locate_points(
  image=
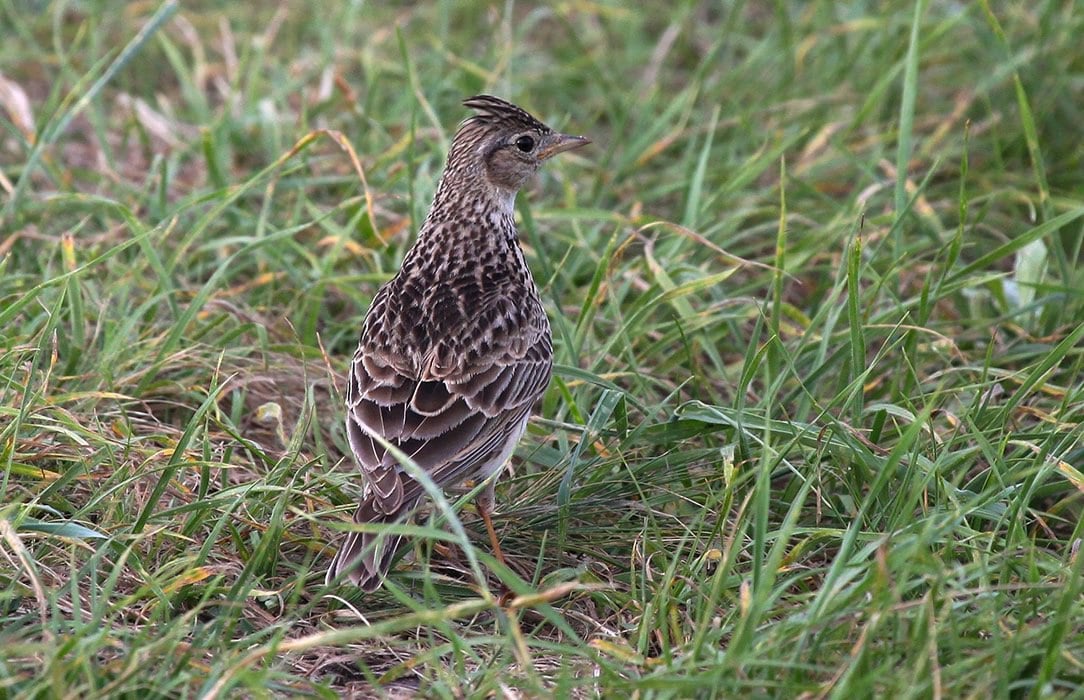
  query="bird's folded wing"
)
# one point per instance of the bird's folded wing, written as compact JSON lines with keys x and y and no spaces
{"x":449,"y":425}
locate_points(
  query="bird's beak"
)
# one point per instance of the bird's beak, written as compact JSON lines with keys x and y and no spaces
{"x":559,"y":143}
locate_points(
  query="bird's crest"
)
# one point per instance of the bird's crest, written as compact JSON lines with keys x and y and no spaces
{"x":493,"y":110}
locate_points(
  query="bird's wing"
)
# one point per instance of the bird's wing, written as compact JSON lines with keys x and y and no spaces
{"x":453,"y":409}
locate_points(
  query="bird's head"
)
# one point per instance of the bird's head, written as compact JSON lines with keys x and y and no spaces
{"x":504,"y":144}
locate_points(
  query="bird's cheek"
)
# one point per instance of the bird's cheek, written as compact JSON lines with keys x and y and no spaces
{"x":507,"y":173}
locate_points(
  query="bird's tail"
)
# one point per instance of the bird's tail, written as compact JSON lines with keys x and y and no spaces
{"x":366,"y":556}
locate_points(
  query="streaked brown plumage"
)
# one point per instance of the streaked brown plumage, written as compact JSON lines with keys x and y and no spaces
{"x":456,"y":348}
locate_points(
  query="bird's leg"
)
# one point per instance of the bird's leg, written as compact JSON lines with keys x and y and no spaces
{"x":485,"y":507}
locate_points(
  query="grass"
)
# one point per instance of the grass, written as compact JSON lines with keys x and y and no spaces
{"x":816,"y":291}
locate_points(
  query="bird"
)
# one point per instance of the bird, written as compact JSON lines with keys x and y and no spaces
{"x":456,"y":348}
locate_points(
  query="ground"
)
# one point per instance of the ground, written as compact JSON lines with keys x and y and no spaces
{"x":816,"y":290}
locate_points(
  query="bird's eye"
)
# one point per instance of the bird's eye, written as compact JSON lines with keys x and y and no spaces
{"x":525,"y":144}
